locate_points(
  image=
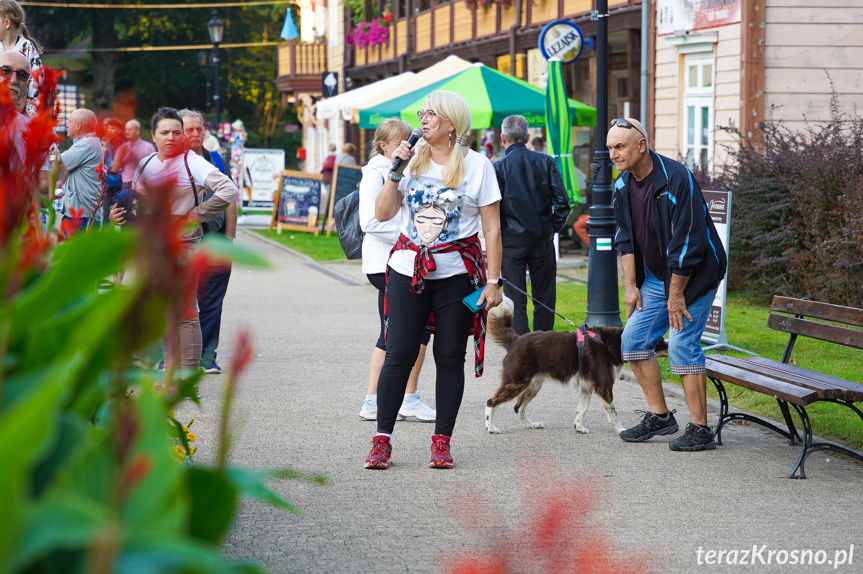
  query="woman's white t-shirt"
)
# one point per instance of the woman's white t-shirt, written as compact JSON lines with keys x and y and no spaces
{"x":432,"y":214}
{"x":173,"y":170}
{"x":380,"y":236}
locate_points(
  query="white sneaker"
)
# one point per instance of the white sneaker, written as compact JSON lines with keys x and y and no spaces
{"x":369,"y":411}
{"x":417,"y":409}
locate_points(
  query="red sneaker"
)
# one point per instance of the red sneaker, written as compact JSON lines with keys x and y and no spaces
{"x":381,"y":453}
{"x":440,"y":457}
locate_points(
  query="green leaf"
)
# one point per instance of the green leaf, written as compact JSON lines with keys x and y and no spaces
{"x":291,"y":474}
{"x":159,"y":504}
{"x":214,"y":502}
{"x":252,"y":483}
{"x":167,"y":556}
{"x":222,"y":247}
{"x":65,"y":523}
{"x":27,"y":428}
{"x":79,"y":265}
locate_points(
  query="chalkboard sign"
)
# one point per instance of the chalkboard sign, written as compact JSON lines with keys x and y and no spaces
{"x":346,"y":178}
{"x":298,"y":202}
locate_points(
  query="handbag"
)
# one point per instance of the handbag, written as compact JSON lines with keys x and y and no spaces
{"x":347,"y":215}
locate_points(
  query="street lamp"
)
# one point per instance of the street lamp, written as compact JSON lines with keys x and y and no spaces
{"x":216,"y":29}
{"x":202,"y":62}
{"x":603,"y":304}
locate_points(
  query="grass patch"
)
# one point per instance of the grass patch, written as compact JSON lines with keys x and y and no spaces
{"x":746,"y":327}
{"x":320,"y":248}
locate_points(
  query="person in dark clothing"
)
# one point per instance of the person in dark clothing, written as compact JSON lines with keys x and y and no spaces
{"x":672,"y":261}
{"x":534,"y":207}
{"x":211,"y":293}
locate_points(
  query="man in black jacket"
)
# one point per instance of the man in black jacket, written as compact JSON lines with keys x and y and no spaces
{"x":533,"y":208}
{"x":672,"y":261}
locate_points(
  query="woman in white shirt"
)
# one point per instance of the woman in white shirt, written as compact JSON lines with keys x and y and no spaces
{"x":380,"y":236}
{"x":441,"y":202}
{"x":188,"y":175}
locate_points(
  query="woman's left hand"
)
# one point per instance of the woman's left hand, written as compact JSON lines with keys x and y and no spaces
{"x":491,"y":295}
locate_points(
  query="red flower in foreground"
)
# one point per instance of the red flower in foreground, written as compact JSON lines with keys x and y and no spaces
{"x":243,"y":353}
{"x":558,"y":533}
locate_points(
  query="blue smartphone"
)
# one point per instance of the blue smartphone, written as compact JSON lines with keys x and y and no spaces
{"x":472,"y":299}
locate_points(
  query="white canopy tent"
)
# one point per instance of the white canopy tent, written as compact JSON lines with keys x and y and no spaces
{"x":341,"y":106}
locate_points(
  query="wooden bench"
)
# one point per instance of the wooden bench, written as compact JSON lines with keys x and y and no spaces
{"x":789,"y":384}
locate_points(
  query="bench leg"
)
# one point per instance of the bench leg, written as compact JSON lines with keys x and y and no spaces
{"x":723,"y":409}
{"x":786,"y":413}
{"x":807,"y":443}
{"x":724,"y":417}
{"x":810,"y":446}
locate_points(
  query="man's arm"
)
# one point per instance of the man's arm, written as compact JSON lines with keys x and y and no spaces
{"x":631,"y":293}
{"x":117,"y":164}
{"x":559,"y":198}
{"x":62,"y":172}
{"x":231,"y":221}
{"x":677,"y":302}
{"x":76,"y":155}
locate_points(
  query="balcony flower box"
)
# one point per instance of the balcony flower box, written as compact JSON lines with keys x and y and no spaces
{"x":374,"y":33}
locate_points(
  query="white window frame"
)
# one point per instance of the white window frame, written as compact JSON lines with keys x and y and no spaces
{"x":698,"y":99}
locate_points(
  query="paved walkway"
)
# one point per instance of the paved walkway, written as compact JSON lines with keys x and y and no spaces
{"x":313,"y":329}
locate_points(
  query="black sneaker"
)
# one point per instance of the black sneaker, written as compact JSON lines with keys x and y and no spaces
{"x":650,"y":426}
{"x":695,"y":437}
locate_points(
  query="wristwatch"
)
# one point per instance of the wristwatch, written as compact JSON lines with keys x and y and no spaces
{"x":498,"y":281}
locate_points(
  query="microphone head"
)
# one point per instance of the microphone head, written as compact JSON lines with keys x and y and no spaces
{"x":418,"y":133}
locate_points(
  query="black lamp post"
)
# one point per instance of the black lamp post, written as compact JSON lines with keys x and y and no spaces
{"x":216,"y":29}
{"x":603,"y":305}
{"x":204,"y":64}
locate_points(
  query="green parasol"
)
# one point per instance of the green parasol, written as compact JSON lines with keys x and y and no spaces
{"x":490,"y":95}
{"x":559,"y":129}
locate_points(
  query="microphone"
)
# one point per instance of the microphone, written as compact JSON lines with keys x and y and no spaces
{"x":412,"y":141}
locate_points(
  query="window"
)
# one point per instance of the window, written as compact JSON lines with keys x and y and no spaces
{"x":698,"y":111}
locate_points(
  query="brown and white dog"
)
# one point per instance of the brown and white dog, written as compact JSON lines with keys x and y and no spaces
{"x":534,"y":358}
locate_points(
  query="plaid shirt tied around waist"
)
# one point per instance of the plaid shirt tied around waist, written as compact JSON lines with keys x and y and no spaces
{"x":471,"y":254}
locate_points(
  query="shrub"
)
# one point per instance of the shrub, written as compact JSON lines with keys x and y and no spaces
{"x":797,"y":213}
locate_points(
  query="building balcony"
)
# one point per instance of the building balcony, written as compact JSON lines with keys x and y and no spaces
{"x":301,"y":67}
{"x":482,"y":33}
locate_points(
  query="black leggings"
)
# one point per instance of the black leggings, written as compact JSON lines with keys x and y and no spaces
{"x":379,"y":280}
{"x":408,"y":313}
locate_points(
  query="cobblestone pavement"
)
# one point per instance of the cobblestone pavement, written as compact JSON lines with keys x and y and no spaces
{"x":313,"y":329}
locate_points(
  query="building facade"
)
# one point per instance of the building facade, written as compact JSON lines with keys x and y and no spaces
{"x":423,"y":32}
{"x":720,"y":63}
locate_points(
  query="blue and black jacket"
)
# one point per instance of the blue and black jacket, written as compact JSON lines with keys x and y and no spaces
{"x":688,"y":241}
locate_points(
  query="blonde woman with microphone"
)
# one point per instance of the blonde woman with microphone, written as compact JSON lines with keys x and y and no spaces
{"x":441,"y":199}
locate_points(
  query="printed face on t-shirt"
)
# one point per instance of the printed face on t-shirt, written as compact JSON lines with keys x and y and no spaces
{"x":435,"y":212}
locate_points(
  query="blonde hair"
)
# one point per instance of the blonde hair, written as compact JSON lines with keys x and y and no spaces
{"x":452,"y":107}
{"x":12,"y":10}
{"x":389,"y":130}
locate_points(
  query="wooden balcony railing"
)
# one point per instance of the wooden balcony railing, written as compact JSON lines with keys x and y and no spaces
{"x":453,"y":23}
{"x":302,"y":59}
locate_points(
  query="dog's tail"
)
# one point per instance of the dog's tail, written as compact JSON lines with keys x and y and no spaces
{"x":500,"y":324}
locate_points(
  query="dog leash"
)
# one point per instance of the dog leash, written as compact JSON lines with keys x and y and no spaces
{"x":540,"y":303}
{"x":581,"y":332}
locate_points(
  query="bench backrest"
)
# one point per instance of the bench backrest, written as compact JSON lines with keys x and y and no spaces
{"x":801,"y":322}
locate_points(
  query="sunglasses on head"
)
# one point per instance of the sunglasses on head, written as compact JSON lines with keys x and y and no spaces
{"x":6,"y":71}
{"x":625,"y":123}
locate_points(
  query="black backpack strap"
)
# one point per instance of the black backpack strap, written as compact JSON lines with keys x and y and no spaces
{"x":191,"y":179}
